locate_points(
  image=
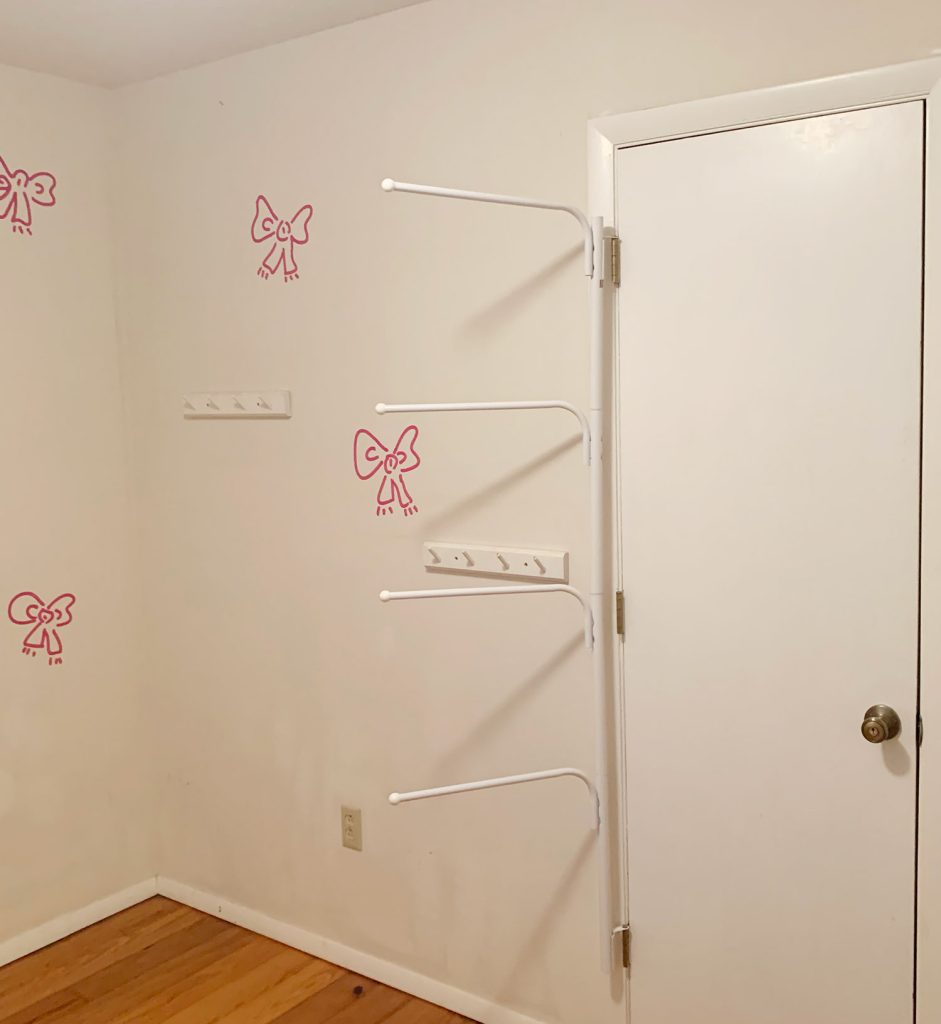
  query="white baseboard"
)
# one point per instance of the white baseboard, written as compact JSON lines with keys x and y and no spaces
{"x":74,"y":921}
{"x":414,"y":984}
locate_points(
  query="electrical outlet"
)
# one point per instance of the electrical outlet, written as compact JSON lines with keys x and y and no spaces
{"x":351,"y":823}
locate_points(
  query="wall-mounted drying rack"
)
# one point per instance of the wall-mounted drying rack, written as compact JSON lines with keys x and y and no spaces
{"x":506,"y":780}
{"x":523,"y":588}
{"x":588,"y":231}
{"x":596,"y":627}
{"x":548,"y":403}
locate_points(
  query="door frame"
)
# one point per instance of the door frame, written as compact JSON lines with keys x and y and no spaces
{"x":918,"y":80}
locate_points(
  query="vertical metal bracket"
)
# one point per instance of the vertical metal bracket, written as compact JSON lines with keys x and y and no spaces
{"x":619,"y":611}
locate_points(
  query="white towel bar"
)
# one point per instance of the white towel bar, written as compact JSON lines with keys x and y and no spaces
{"x":533,"y":588}
{"x":389,"y":185}
{"x":550,"y":403}
{"x":505,"y":780}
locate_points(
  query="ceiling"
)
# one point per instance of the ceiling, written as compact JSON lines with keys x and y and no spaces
{"x":114,"y":42}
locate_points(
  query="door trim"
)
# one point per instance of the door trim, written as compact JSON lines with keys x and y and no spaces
{"x":919,"y":80}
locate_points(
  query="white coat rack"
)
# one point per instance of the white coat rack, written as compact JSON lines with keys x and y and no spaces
{"x":592,"y":426}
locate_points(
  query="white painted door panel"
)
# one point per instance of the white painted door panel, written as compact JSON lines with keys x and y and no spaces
{"x":770,"y":334}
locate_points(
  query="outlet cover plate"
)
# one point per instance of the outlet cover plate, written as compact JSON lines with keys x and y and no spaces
{"x":516,"y":563}
{"x":351,"y":826}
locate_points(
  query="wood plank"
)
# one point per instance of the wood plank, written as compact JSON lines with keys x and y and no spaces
{"x":178,"y":996}
{"x":115,"y":992}
{"x":417,"y":1011}
{"x":118,"y":993}
{"x":160,"y":963}
{"x":271,"y":1003}
{"x":326,"y":1004}
{"x":374,"y":1007}
{"x":56,"y":967}
{"x":234,"y":1000}
{"x":132,"y":971}
{"x":54,"y":1009}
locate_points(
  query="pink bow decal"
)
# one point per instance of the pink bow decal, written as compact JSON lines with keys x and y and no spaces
{"x":18,"y":191}
{"x":28,"y":609}
{"x":286,"y":234}
{"x":370,"y":456}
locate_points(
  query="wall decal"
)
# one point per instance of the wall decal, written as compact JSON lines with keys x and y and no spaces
{"x":19,"y":191}
{"x":28,"y":609}
{"x":283,"y":234}
{"x":370,"y":456}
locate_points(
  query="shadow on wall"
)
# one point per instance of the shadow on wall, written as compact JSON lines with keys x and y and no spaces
{"x":511,"y":706}
{"x":485,"y":324}
{"x":533,"y":952}
{"x":533,"y":957}
{"x":487,"y":494}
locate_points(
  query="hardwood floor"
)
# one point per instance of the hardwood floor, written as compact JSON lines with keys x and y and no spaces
{"x":163,"y":963}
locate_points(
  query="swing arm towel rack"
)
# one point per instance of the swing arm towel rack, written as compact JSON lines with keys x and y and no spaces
{"x":550,"y":403}
{"x":593,"y":237}
{"x":505,"y":780}
{"x":524,"y":588}
{"x":389,"y":185}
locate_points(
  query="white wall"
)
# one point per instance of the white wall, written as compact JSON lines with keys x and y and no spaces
{"x":284,"y":687}
{"x":278,"y":686}
{"x":73,"y":822}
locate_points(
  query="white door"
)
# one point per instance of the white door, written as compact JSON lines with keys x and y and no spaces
{"x":770,"y":365}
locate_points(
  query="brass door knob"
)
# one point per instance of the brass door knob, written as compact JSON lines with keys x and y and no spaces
{"x":881,"y":723}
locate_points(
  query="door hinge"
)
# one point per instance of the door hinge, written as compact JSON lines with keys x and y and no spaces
{"x":619,"y":611}
{"x":624,"y":935}
{"x":614,"y":260}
